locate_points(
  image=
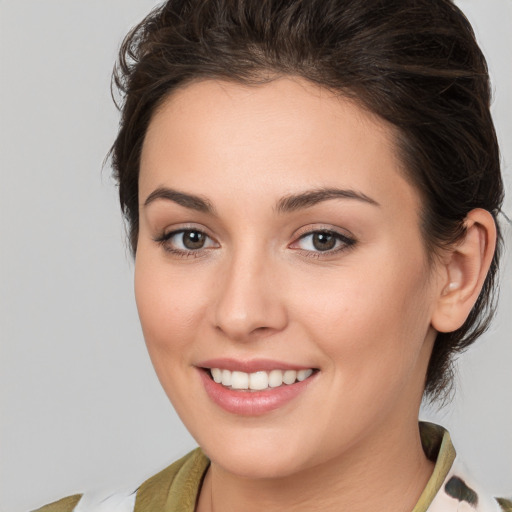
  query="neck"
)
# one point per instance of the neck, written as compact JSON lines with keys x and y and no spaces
{"x":386,"y":472}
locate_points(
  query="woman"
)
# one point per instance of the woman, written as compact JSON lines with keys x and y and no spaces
{"x":311,"y":190}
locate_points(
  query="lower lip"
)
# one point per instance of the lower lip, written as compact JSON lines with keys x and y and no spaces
{"x":252,"y":403}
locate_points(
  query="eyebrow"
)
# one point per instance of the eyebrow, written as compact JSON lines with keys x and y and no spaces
{"x":310,"y":198}
{"x":190,"y":201}
{"x":287,"y":204}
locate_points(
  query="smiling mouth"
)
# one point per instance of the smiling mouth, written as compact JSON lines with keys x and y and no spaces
{"x":258,"y":381}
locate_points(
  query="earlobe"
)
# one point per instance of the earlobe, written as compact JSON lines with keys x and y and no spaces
{"x":464,"y":271}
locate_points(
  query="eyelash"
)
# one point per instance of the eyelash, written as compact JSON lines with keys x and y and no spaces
{"x":165,"y":238}
{"x":343,"y":243}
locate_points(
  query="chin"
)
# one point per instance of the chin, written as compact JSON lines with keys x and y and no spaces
{"x":257,"y":458}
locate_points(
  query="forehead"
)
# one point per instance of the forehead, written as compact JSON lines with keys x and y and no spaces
{"x":282,"y":136}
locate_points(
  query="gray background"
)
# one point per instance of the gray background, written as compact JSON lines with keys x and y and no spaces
{"x":80,"y":406}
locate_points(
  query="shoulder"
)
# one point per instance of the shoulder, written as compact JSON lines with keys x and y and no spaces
{"x":152,"y":495}
{"x":451,"y":487}
{"x":64,"y":505}
{"x":506,"y":505}
{"x":178,"y":484}
{"x":90,"y":502}
{"x":461,"y":493}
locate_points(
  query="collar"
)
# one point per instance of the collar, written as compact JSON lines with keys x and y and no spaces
{"x":449,"y":488}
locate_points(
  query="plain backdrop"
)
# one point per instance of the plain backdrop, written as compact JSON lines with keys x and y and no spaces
{"x":80,"y":406}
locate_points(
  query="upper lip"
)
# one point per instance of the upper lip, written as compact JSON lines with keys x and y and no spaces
{"x":250,"y":366}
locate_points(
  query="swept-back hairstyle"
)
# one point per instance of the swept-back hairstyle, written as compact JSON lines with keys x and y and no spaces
{"x":414,"y":63}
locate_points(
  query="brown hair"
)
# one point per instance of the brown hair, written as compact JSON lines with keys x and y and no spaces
{"x":414,"y":63}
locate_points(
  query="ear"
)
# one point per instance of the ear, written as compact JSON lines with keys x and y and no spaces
{"x":463,"y":271}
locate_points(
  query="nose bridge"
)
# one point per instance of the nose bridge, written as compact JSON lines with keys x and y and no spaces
{"x":248,"y":298}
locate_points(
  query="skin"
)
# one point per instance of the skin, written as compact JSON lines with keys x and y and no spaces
{"x":363,"y":315}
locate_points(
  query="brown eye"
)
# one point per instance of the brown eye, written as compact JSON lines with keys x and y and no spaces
{"x":186,"y":241}
{"x":193,"y":240}
{"x":323,"y":241}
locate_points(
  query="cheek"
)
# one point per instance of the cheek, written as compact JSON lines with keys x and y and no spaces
{"x":371,"y":323}
{"x":169,"y":307}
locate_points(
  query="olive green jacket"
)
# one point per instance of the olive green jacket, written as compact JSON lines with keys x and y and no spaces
{"x":176,"y":488}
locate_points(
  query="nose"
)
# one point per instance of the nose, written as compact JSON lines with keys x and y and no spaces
{"x":249,"y":299}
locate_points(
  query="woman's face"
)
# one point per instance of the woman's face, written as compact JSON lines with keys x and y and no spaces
{"x":278,"y":234}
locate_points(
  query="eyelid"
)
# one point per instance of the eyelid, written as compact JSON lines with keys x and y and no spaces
{"x":326,"y":228}
{"x":169,"y":230}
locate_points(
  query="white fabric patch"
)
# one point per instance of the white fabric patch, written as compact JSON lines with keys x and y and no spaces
{"x":445,"y":503}
{"x":119,"y":502}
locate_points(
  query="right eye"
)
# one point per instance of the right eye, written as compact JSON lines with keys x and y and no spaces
{"x":186,"y":241}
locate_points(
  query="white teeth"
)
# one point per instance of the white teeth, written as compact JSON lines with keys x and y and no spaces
{"x":275,"y":378}
{"x":239,"y":380}
{"x":226,"y":378}
{"x":304,"y":374}
{"x":260,"y":380}
{"x":217,"y":375}
{"x":289,"y":376}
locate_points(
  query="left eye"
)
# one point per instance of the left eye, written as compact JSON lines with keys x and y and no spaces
{"x":323,"y":241}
